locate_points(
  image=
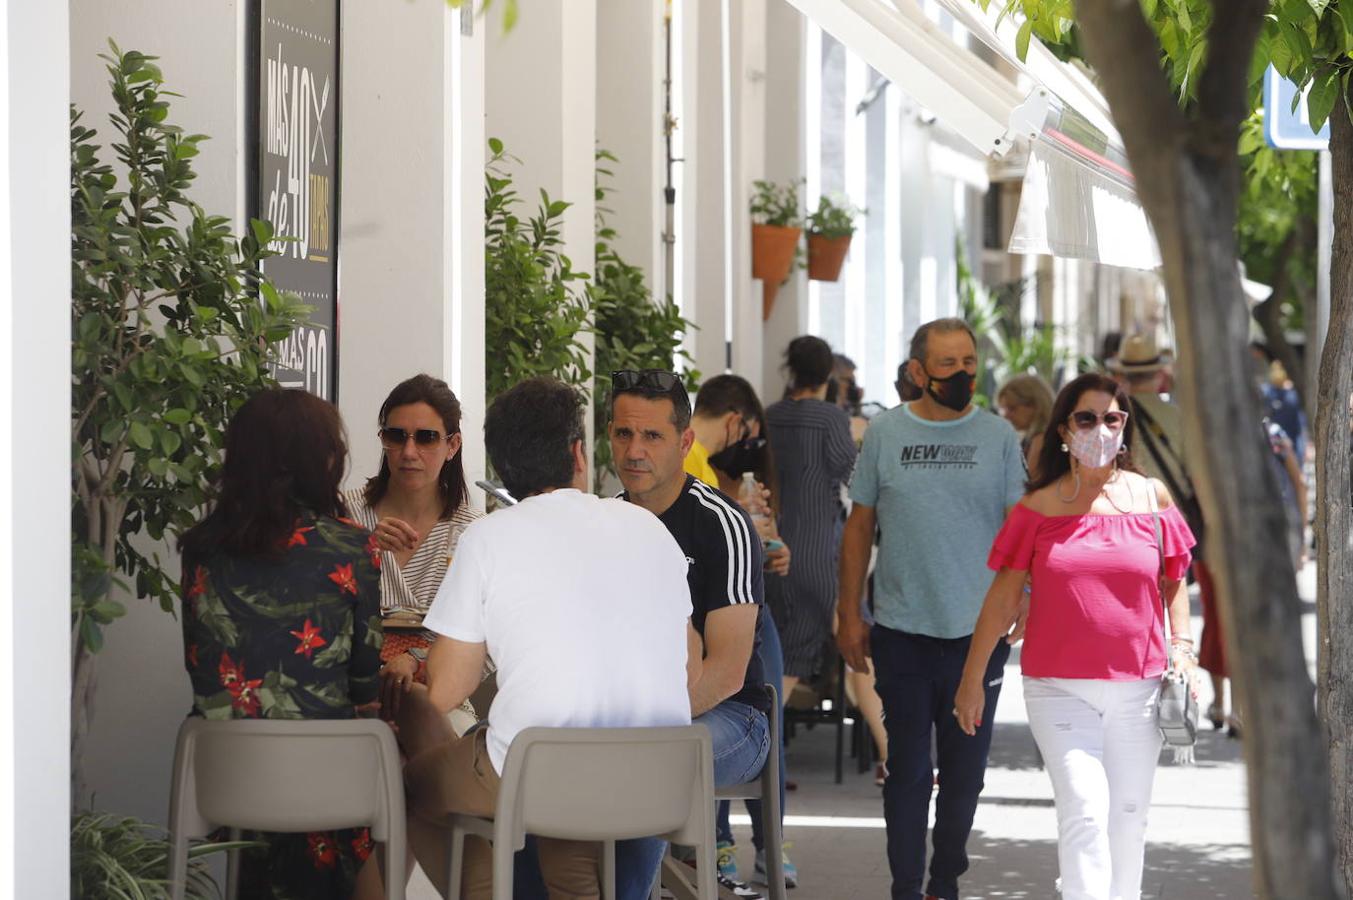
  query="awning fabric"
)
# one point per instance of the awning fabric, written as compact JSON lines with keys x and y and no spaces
{"x":1067,"y":209}
{"x":972,"y":98}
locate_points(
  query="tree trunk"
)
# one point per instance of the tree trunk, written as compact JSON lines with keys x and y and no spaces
{"x":81,"y":716}
{"x":1334,"y":519}
{"x":1188,"y":179}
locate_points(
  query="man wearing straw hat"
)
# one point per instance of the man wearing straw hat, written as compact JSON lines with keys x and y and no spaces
{"x":1142,"y":368}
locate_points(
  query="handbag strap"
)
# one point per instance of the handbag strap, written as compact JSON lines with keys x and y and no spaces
{"x":1160,"y":571}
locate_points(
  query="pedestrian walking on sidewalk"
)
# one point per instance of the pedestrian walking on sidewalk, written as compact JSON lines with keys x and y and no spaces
{"x":936,"y":476}
{"x":1094,"y":643}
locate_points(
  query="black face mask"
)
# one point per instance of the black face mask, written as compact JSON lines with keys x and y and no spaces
{"x":954,"y":392}
{"x":743,"y":456}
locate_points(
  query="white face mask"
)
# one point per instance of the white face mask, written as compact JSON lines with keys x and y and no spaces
{"x":1096,"y":447}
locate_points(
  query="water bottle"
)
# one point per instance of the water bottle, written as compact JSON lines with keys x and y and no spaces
{"x":750,"y":497}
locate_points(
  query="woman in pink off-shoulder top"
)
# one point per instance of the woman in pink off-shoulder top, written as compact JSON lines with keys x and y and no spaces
{"x":1094,"y":645}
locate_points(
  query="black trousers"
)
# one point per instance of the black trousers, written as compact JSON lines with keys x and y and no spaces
{"x":917,"y":677}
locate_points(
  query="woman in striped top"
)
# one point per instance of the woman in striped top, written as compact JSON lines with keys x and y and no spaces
{"x":417,"y":505}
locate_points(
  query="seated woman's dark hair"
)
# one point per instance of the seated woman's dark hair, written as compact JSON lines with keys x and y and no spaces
{"x":438,"y":395}
{"x":1053,"y":461}
{"x":285,"y":453}
{"x":529,"y":432}
{"x":809,"y":361}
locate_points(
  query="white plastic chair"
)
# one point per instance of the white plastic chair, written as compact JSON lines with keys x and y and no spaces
{"x":287,"y":776}
{"x":598,"y":784}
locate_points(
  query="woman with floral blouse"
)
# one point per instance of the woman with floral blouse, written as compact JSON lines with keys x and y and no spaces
{"x":281,"y":613}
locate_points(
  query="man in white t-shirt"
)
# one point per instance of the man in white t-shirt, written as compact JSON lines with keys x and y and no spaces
{"x":565,"y":591}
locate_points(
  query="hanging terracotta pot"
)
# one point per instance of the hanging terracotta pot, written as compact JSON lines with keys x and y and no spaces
{"x":826,"y":255}
{"x":773,"y":251}
{"x":772,"y":256}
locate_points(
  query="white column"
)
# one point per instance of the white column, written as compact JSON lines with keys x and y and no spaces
{"x":749,"y":55}
{"x":785,"y":161}
{"x":707,"y":180}
{"x":541,"y":101}
{"x":34,"y":480}
{"x":463,"y":252}
{"x":630,"y":71}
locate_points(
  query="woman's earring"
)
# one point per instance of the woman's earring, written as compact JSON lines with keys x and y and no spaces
{"x":1064,"y":448}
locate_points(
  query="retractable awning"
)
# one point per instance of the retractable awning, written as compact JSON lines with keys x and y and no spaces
{"x":1079,"y":198}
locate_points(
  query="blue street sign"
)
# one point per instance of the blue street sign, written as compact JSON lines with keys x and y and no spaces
{"x":1285,"y":129}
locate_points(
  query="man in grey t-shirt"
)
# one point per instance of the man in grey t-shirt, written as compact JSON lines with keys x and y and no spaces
{"x":936,"y":476}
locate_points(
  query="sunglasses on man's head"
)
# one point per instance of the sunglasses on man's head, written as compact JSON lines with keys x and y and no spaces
{"x":658,"y":381}
{"x":1084,"y":419}
{"x":396,"y":438}
{"x":645,"y":379}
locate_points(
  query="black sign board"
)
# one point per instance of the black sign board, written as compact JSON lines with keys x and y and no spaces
{"x":297,"y":130}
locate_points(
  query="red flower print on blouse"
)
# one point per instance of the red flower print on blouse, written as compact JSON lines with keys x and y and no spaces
{"x":362,"y":845}
{"x":374,"y":550}
{"x":243,"y":691}
{"x":298,"y":536}
{"x":309,"y":638}
{"x":343,"y":577}
{"x":244,"y":697}
{"x":191,"y":655}
{"x":199,"y":585}
{"x":322,"y":851}
{"x":231,"y":672}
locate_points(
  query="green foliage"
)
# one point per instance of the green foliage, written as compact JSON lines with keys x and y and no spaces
{"x":777,"y":204}
{"x":124,"y":859}
{"x":834,"y":217}
{"x":171,"y":327}
{"x":632,"y":331}
{"x":534,"y":307}
{"x":1308,"y":41}
{"x":1005,"y":349}
{"x":1276,"y":224}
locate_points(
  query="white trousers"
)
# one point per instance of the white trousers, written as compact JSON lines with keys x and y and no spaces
{"x":1100,"y":743}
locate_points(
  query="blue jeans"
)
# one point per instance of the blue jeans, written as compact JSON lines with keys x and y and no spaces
{"x":773,"y":664}
{"x":741,"y":740}
{"x":916,"y":678}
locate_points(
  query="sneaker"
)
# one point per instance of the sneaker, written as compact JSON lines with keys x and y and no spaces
{"x":739,"y":888}
{"x":791,"y":871}
{"x":726,"y":855}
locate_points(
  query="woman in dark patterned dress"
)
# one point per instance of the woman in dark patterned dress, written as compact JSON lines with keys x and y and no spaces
{"x":814,"y":455}
{"x":281,"y":613}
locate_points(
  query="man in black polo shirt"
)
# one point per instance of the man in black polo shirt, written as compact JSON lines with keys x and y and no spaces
{"x":650,"y":435}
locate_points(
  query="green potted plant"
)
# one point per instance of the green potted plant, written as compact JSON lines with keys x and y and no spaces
{"x":114,"y":858}
{"x":535,"y":306}
{"x":777,"y":225}
{"x":830,"y":228}
{"x":172,"y":328}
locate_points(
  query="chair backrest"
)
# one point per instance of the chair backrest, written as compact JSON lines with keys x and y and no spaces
{"x":304,"y":775}
{"x":609,"y":783}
